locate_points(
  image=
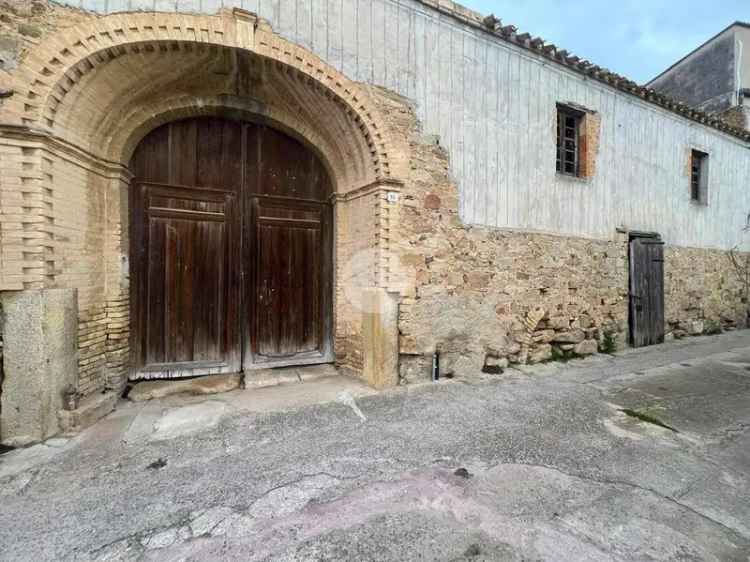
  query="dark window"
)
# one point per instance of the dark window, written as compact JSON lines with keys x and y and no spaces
{"x":568,"y":144}
{"x":699,"y":177}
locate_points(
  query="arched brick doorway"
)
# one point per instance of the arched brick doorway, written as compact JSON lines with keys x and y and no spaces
{"x":231,"y":250}
{"x":107,"y":82}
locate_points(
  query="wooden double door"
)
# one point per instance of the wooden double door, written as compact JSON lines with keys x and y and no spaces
{"x":231,"y":250}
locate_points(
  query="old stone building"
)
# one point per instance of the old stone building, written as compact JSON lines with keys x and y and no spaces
{"x":714,"y":77}
{"x":190,"y":188}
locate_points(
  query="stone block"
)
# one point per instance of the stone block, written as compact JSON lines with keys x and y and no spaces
{"x":380,"y":337}
{"x":211,"y":384}
{"x":573,"y":336}
{"x":586,"y":347}
{"x":261,"y":378}
{"x":544,"y":336}
{"x":540,"y":354}
{"x":559,"y":323}
{"x":496,"y":361}
{"x":461,"y":364}
{"x":90,"y":410}
{"x":40,"y":340}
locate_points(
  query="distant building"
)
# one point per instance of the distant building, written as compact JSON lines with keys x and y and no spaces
{"x":715,"y":77}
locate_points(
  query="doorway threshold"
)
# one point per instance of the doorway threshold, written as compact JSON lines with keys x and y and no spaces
{"x":288,"y":375}
{"x":142,"y":391}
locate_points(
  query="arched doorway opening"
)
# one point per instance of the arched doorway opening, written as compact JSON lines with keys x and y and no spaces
{"x":107,"y":83}
{"x":230,"y":250}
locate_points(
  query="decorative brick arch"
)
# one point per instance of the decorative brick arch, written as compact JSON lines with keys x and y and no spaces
{"x":53,"y":71}
{"x":177,"y":107}
{"x":85,"y":97}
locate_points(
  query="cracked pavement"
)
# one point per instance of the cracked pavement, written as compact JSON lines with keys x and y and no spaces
{"x":554,"y":469}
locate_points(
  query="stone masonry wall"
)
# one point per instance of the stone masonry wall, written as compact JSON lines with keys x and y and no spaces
{"x":487,"y":298}
{"x":23,"y":23}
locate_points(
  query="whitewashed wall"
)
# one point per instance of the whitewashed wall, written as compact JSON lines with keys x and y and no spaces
{"x":493,"y":106}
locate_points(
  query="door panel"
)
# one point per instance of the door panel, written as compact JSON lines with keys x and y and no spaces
{"x":289,"y":297}
{"x":646,"y":291}
{"x":190,"y":294}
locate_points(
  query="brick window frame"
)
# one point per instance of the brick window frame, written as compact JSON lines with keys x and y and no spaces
{"x":580,"y":126}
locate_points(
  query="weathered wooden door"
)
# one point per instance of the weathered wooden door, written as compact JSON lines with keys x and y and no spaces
{"x":230,"y":250}
{"x":646,"y":290}
{"x":287,"y":317}
{"x":189,"y":283}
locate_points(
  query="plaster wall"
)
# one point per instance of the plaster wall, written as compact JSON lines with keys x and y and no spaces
{"x":492,"y":105}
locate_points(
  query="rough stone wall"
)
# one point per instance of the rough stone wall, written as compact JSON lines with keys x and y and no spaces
{"x":24,"y":23}
{"x":487,"y":298}
{"x":703,"y":292}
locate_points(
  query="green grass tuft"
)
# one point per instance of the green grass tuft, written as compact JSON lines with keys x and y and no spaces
{"x":608,"y":344}
{"x":647,"y":418}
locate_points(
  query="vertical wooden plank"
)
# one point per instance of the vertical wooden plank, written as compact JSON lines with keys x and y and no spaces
{"x":657,"y":264}
{"x":288,"y":19}
{"x":335,"y":35}
{"x":364,"y":40}
{"x":349,"y":43}
{"x":185,"y":296}
{"x":378,"y":25}
{"x":183,"y":164}
{"x":420,"y":76}
{"x":505,"y":152}
{"x":319,"y":15}
{"x":304,"y":23}
{"x":155,"y":272}
{"x":202,"y":277}
{"x":209,"y":166}
{"x":392,"y":29}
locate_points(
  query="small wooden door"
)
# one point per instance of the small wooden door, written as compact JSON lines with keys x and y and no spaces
{"x":189,"y":286}
{"x":646,"y":290}
{"x":288,"y":292}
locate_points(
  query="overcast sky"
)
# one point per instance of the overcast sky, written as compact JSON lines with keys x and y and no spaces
{"x":635,"y":38}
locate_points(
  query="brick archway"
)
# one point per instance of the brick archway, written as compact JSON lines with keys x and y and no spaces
{"x":89,"y":93}
{"x":48,"y":84}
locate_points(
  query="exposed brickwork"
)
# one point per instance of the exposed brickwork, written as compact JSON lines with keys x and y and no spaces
{"x":59,"y":60}
{"x":591,"y":127}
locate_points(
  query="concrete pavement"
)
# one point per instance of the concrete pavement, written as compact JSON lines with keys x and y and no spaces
{"x":560,"y":462}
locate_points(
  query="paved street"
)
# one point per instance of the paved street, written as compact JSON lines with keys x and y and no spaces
{"x":563,"y":462}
